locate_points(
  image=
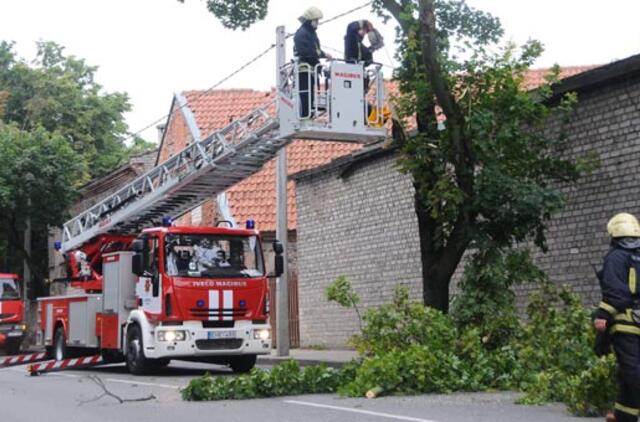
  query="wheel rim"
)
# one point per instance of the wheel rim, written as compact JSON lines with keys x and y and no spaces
{"x":134,"y":350}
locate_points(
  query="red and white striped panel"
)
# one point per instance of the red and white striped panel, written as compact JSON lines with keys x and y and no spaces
{"x":22,"y":359}
{"x":60,"y":365}
{"x":219,"y":300}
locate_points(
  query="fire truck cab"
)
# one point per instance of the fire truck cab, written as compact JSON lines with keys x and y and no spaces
{"x":192,"y":293}
{"x":12,"y":327}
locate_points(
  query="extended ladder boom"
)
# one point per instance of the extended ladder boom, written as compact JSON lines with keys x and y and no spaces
{"x":342,"y":111}
{"x":185,"y":180}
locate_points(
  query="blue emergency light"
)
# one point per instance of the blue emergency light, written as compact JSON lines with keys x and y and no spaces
{"x":57,"y":245}
{"x":242,"y":303}
{"x":251,"y":224}
{"x":167,"y":221}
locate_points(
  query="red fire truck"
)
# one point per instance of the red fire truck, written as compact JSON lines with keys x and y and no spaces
{"x":147,"y":292}
{"x":170,"y":292}
{"x":12,"y":326}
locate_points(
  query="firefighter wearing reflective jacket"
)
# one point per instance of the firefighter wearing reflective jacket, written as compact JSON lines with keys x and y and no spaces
{"x":619,"y":312}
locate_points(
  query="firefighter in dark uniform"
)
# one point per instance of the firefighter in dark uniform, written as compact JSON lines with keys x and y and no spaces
{"x":354,"y":50}
{"x":306,"y":47}
{"x":619,"y":312}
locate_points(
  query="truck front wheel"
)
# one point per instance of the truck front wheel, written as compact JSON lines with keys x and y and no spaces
{"x":242,"y":364}
{"x":137,"y":363}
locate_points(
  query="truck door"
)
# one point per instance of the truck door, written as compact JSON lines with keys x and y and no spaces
{"x":149,"y":287}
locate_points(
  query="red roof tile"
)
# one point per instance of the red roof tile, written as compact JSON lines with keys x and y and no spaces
{"x":535,"y":77}
{"x":255,"y":197}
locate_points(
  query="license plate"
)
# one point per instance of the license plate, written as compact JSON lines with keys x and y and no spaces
{"x":14,"y":334}
{"x":213,"y":335}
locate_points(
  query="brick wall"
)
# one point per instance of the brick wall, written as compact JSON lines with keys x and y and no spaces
{"x":361,"y":226}
{"x":364,"y":226}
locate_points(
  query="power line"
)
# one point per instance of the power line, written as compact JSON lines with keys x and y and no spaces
{"x":203,"y":93}
{"x":235,"y":72}
{"x":346,"y":13}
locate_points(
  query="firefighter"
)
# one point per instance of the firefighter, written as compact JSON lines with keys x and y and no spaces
{"x":306,"y":47}
{"x":619,"y":312}
{"x":354,"y":50}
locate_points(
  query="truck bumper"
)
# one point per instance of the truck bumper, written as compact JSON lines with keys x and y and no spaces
{"x":11,"y":333}
{"x":245,"y":338}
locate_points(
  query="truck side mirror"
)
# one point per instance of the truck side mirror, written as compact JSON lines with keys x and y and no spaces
{"x":279,"y":265}
{"x":137,"y":264}
{"x":277,"y":247}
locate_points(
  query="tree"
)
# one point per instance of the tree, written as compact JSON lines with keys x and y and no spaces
{"x":59,"y":94}
{"x":38,"y":170}
{"x":484,"y":168}
{"x":58,"y":129}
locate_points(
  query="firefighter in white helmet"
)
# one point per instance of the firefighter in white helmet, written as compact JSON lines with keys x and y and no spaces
{"x":306,"y":47}
{"x":618,"y":316}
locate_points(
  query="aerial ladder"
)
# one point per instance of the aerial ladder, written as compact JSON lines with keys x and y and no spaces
{"x":235,"y":152}
{"x":128,"y":304}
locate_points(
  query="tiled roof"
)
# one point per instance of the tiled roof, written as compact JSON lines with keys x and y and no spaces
{"x":255,"y":197}
{"x":535,"y":77}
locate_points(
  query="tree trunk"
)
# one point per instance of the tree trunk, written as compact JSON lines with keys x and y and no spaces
{"x":439,"y":261}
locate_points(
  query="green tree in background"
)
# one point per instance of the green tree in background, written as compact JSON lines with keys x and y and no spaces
{"x":484,"y":169}
{"x":58,"y":129}
{"x":59,"y":94}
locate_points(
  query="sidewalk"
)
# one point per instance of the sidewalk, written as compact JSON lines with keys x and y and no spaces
{"x":307,"y":357}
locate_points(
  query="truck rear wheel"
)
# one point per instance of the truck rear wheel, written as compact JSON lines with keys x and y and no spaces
{"x":59,"y":345}
{"x":137,"y":363}
{"x":242,"y":364}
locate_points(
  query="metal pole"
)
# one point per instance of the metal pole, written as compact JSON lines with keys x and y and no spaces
{"x":26,"y":271}
{"x":282,"y":283}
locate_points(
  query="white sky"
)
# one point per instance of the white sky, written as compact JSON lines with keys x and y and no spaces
{"x":153,"y":48}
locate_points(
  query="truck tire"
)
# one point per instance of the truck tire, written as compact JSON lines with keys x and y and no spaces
{"x":137,"y":363}
{"x":59,"y":351}
{"x":242,"y":364}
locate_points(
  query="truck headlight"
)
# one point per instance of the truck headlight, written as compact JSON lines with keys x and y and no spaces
{"x":171,"y":335}
{"x":20,"y":327}
{"x":262,"y":334}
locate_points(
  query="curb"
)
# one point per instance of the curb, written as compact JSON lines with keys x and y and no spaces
{"x":270,"y":361}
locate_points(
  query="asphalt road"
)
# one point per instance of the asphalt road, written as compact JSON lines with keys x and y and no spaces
{"x":71,"y":396}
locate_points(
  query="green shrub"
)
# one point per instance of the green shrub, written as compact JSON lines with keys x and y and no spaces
{"x":403,"y":323}
{"x":593,"y":391}
{"x":407,"y":348}
{"x":284,"y":379}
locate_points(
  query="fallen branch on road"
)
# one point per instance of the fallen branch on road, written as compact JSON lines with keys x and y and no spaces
{"x":106,"y":392}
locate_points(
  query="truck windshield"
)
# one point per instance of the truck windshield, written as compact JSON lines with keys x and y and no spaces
{"x":9,"y":289}
{"x":213,"y":256}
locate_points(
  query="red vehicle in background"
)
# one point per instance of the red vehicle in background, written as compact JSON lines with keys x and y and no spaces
{"x":12,"y":327}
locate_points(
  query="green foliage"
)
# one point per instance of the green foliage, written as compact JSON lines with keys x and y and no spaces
{"x":59,"y":94}
{"x":341,"y":292}
{"x":592,"y":392}
{"x":58,"y":129}
{"x":554,"y":345}
{"x":403,"y":323}
{"x":407,"y":348}
{"x":38,"y":170}
{"x":284,"y":379}
{"x":486,"y":299}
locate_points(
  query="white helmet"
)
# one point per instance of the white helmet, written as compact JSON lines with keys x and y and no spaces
{"x":312,"y":13}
